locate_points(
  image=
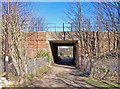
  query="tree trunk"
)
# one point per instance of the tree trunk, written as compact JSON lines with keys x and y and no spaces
{"x":108,"y":40}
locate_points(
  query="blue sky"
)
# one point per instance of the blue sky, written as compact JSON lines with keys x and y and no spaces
{"x":54,"y":12}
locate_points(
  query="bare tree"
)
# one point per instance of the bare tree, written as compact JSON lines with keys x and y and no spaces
{"x":17,"y":41}
{"x":36,"y":24}
{"x":74,"y":16}
{"x":20,"y":18}
{"x":83,"y":28}
{"x":109,"y":20}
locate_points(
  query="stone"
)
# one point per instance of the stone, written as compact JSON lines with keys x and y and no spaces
{"x":5,"y":83}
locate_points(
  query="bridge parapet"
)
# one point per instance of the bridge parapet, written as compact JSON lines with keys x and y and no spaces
{"x":51,"y":36}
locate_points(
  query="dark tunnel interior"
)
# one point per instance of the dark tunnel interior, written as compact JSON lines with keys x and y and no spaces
{"x":66,"y":60}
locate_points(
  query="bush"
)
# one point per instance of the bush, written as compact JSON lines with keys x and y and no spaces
{"x":61,"y":53}
{"x":44,"y":54}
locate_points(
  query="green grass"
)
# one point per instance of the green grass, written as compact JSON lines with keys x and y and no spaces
{"x":102,"y":83}
{"x":40,"y":72}
{"x":110,"y":83}
{"x":44,"y":54}
{"x":43,"y":70}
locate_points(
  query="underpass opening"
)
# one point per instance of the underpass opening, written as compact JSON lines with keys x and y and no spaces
{"x":61,"y":57}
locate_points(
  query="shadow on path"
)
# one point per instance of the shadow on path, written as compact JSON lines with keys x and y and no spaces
{"x":60,"y":76}
{"x":66,"y":61}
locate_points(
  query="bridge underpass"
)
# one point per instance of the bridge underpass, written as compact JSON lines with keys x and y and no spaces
{"x":64,"y":61}
{"x":49,"y":41}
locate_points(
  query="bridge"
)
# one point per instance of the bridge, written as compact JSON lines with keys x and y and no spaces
{"x":93,"y":44}
{"x":49,"y":41}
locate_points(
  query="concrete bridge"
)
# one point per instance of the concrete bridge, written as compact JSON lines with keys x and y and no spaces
{"x":49,"y":41}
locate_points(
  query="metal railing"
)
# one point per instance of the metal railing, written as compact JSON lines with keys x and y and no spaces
{"x":51,"y":27}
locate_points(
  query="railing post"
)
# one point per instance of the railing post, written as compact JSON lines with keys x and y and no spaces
{"x":55,"y":27}
{"x":63,"y":35}
{"x":71,"y":27}
{"x":63,"y":27}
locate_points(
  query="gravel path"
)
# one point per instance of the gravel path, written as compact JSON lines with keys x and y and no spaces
{"x":60,"y":76}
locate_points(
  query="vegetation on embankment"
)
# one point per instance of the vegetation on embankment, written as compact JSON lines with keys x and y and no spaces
{"x":42,"y":70}
{"x":80,"y":76}
{"x":101,"y":83}
{"x":44,"y":54}
{"x":28,"y":78}
{"x":106,"y":67}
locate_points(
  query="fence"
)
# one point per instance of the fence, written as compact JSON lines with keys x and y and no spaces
{"x":31,"y":65}
{"x":34,"y":65}
{"x":1,"y":67}
{"x":51,"y":27}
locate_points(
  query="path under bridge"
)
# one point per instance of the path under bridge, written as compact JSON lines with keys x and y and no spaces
{"x":50,"y":41}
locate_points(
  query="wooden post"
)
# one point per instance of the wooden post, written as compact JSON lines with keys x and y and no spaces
{"x":6,"y":41}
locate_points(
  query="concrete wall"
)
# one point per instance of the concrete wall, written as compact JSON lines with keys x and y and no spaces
{"x":58,"y":36}
{"x":40,"y":41}
{"x":36,"y":42}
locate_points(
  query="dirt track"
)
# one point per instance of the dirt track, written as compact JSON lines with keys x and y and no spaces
{"x":60,"y":76}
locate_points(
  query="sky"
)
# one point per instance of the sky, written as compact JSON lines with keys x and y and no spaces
{"x":54,"y":12}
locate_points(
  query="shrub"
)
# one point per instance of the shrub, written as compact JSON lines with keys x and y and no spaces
{"x":44,"y":54}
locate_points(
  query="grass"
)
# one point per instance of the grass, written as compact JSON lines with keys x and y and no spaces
{"x":44,"y":54}
{"x":101,"y":83}
{"x":113,"y":84}
{"x":43,"y":70}
{"x":40,"y":72}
